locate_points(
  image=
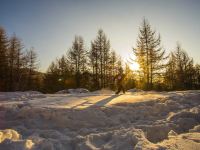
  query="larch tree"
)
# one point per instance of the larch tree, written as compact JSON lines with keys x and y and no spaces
{"x":149,"y":54}
{"x":32,"y":67}
{"x":14,"y":57}
{"x":112,"y":68}
{"x":77,"y":56}
{"x":170,"y":74}
{"x":94,"y":63}
{"x":3,"y":59}
{"x":180,"y":72}
{"x":51,"y":78}
{"x":197,"y":76}
{"x":99,"y":56}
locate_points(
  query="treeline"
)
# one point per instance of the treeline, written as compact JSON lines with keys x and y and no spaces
{"x":181,"y":72}
{"x":159,"y":71}
{"x":18,"y":67}
{"x":93,"y":68}
{"x":96,"y":67}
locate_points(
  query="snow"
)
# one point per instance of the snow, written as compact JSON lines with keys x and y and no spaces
{"x":27,"y":95}
{"x":73,"y":91}
{"x":100,"y":120}
{"x":134,"y":90}
{"x":9,"y":134}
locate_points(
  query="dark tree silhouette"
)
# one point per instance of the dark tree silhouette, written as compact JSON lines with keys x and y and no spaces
{"x":149,"y":54}
{"x":3,"y":59}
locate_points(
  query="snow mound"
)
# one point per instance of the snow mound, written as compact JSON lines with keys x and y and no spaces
{"x":195,"y":129}
{"x":172,"y":134}
{"x":11,"y":140}
{"x":112,"y":140}
{"x":186,"y":141}
{"x":134,"y":90}
{"x":62,"y":92}
{"x":9,"y":134}
{"x":73,"y":91}
{"x":104,"y":91}
{"x":27,"y":95}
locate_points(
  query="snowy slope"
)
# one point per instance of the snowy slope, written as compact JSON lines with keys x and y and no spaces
{"x":101,"y":120}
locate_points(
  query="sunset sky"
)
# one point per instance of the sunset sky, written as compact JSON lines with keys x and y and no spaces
{"x":50,"y":25}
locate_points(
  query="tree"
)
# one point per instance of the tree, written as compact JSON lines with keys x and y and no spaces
{"x":17,"y":68}
{"x":197,"y":76}
{"x":180,"y":71}
{"x":149,"y":54}
{"x":32,"y":66}
{"x":60,"y":75}
{"x":112,"y":69}
{"x":14,"y":62}
{"x":170,"y":74}
{"x":94,"y":63}
{"x":52,"y":79}
{"x":129,"y":78}
{"x":3,"y":59}
{"x":106,"y":61}
{"x":77,"y":56}
{"x":99,"y":58}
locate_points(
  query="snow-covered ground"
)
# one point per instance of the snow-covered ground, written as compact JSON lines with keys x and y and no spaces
{"x":100,"y":120}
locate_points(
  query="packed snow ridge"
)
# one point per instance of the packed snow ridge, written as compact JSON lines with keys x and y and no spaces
{"x":100,"y":120}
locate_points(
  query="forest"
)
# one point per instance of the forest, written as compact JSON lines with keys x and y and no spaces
{"x":95,"y":68}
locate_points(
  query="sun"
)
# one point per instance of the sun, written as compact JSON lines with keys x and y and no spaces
{"x":134,"y":66}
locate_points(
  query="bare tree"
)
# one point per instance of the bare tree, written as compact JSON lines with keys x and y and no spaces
{"x":77,"y":56}
{"x":149,"y":53}
{"x":3,"y":59}
{"x":32,"y":67}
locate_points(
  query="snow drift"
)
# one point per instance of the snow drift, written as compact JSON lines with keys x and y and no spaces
{"x":161,"y":120}
{"x":73,"y":91}
{"x":20,"y":96}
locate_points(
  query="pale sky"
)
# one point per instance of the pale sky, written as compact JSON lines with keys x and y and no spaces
{"x":50,"y":25}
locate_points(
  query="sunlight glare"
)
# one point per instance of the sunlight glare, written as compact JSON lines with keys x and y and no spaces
{"x":134,"y":66}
